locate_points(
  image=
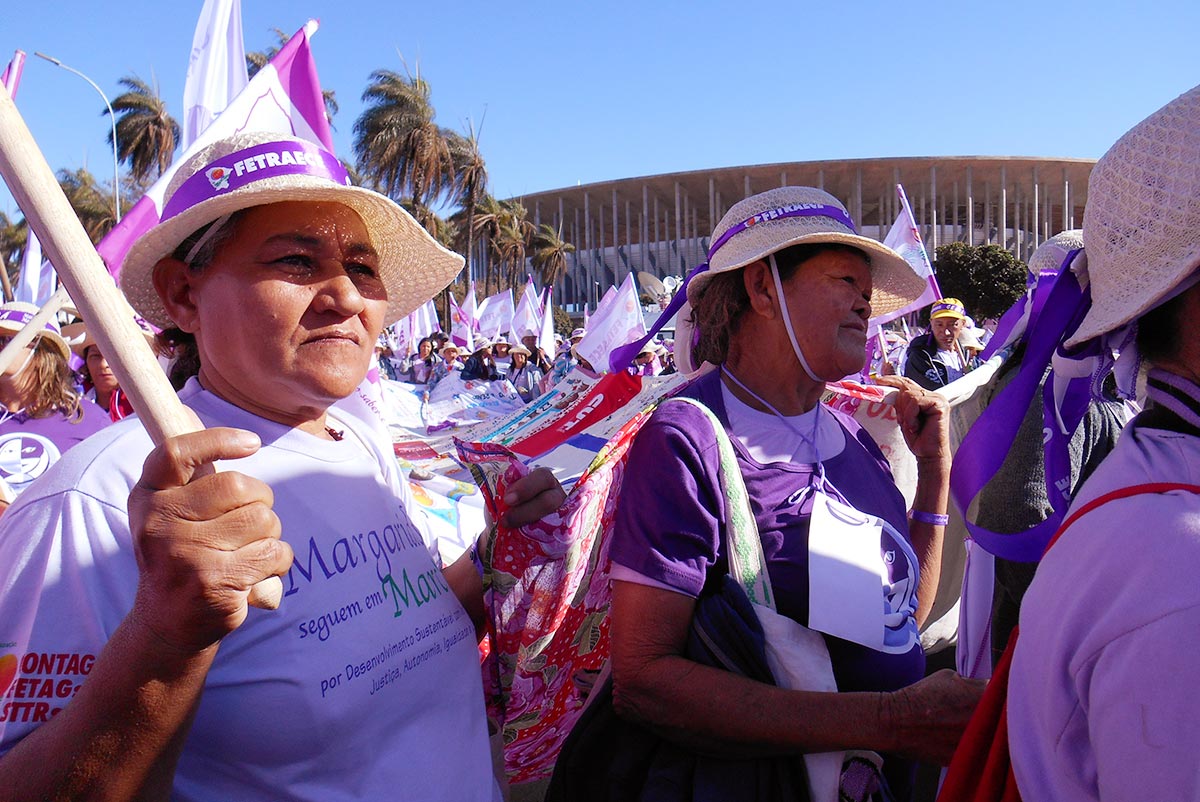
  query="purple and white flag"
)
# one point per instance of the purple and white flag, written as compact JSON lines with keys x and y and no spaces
{"x":216,"y":71}
{"x":617,"y":321}
{"x":12,"y":73}
{"x":461,"y":328}
{"x":37,"y":280}
{"x":605,"y":300}
{"x":905,"y":239}
{"x":496,"y":314}
{"x":284,"y":96}
{"x":527,"y":319}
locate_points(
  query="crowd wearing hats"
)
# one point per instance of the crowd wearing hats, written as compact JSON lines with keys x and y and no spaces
{"x":743,"y":500}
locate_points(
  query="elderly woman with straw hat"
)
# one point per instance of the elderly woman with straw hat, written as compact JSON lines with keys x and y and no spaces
{"x":42,"y":415}
{"x":781,"y":309}
{"x":1101,"y":687}
{"x":273,"y":277}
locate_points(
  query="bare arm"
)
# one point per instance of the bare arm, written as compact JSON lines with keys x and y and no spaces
{"x":200,"y":545}
{"x":924,"y":418}
{"x":720,"y":713}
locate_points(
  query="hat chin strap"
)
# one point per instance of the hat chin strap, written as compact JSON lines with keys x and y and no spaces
{"x":787,"y":321}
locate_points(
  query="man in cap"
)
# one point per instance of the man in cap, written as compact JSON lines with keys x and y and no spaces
{"x":935,"y":358}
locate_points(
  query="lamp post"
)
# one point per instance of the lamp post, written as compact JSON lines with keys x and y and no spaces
{"x":112,"y":118}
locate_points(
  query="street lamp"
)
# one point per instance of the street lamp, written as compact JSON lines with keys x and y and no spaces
{"x":112,"y":118}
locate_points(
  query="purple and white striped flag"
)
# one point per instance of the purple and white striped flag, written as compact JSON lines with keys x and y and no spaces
{"x":284,"y":96}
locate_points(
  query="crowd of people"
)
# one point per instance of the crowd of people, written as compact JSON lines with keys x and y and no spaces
{"x":757,"y":529}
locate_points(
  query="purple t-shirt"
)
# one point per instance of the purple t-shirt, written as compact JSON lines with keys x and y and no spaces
{"x":670,"y":518}
{"x":29,"y":446}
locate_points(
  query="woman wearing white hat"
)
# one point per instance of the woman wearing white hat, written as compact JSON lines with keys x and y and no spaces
{"x":782,"y":309}
{"x":449,"y":363}
{"x":524,"y":375}
{"x":42,"y":416}
{"x":1101,"y":687}
{"x":277,"y":276}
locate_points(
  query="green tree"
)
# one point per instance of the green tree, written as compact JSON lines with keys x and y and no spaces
{"x":397,"y":143}
{"x":513,"y":239}
{"x":486,"y":224}
{"x":550,"y":252}
{"x":146,"y":135}
{"x":470,"y":187}
{"x":92,"y":201}
{"x":986,"y":278}
{"x":13,"y":235}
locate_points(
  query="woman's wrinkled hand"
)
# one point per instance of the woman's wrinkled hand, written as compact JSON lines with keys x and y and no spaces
{"x":202,"y":539}
{"x":927,"y":718}
{"x":532,"y":497}
{"x":924,"y":418}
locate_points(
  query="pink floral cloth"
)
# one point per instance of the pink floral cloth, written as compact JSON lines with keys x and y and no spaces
{"x":546,"y":586}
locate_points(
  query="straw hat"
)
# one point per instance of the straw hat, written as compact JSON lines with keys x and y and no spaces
{"x":969,"y":338}
{"x":1050,"y":255}
{"x":15,"y":314}
{"x":577,"y":333}
{"x":1142,"y":222}
{"x":520,"y":349}
{"x":80,"y":339}
{"x":764,"y":228}
{"x":450,"y":346}
{"x":258,"y":168}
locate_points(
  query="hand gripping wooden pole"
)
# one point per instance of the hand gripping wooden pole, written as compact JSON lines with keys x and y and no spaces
{"x":108,"y":314}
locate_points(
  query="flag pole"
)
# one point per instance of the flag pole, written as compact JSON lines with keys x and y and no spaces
{"x":109,"y":316}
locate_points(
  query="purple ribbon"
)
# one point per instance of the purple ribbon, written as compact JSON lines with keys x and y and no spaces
{"x":621,"y":358}
{"x":782,"y":213}
{"x":982,"y":452}
{"x":22,"y":318}
{"x":268,"y":160}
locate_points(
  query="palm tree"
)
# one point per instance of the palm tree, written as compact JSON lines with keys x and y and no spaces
{"x":13,"y":235}
{"x":550,"y":253}
{"x":256,"y":60}
{"x":470,"y":185}
{"x":486,"y":224}
{"x":397,"y":143}
{"x":513,"y":238}
{"x":93,"y":203}
{"x":146,"y":135}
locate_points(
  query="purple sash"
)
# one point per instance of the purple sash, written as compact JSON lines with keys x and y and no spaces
{"x":1057,"y":312}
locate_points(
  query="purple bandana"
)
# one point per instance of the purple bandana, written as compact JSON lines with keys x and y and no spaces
{"x":984,"y":447}
{"x":240,"y":169}
{"x":781,"y":213}
{"x":22,"y":318}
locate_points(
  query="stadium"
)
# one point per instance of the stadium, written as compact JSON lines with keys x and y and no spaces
{"x":660,"y":224}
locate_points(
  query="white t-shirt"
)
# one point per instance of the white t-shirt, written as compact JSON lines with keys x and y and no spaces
{"x":363,"y":685}
{"x":953,"y":363}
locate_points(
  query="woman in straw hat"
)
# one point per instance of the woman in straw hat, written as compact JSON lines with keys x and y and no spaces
{"x":781,"y":309}
{"x":276,"y":277}
{"x":42,"y":413}
{"x":1101,"y":686}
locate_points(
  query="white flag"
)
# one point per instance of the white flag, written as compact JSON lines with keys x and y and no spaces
{"x":905,"y":239}
{"x":526,"y":319}
{"x":617,"y":321}
{"x":217,"y":68}
{"x":546,"y":337}
{"x":496,"y":314}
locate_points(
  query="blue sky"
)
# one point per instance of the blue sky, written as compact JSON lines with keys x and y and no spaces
{"x":572,"y":92}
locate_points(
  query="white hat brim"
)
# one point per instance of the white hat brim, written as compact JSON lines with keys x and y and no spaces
{"x":894,"y":282}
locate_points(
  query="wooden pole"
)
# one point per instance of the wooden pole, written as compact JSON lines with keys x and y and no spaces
{"x":108,"y":314}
